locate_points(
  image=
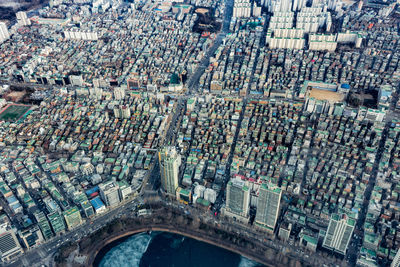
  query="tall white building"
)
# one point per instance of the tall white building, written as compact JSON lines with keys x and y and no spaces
{"x":170,"y":162}
{"x":256,"y":10}
{"x":123,"y":112}
{"x":285,"y":5}
{"x":322,"y":42}
{"x":4,"y":35}
{"x":285,"y":38}
{"x":339,"y":233}
{"x":109,"y":192}
{"x":23,"y":19}
{"x":277,"y":5}
{"x":242,"y":9}
{"x":119,"y":93}
{"x":281,"y":20}
{"x":298,"y":5}
{"x":237,"y":199}
{"x":269,"y":199}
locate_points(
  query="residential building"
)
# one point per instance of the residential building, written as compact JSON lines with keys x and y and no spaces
{"x":4,"y":34}
{"x":23,"y":19}
{"x":339,"y":233}
{"x":268,"y":206}
{"x":238,"y":199}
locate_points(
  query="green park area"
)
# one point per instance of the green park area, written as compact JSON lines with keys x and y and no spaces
{"x":13,"y":112}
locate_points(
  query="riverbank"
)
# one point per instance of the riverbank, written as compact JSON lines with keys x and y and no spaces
{"x":96,"y":256}
{"x":257,"y":246}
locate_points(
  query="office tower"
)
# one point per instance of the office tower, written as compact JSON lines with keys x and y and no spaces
{"x":170,"y":162}
{"x":57,"y":222}
{"x":396,"y":260}
{"x":109,"y":192}
{"x":9,"y":245}
{"x":237,"y":198}
{"x":339,"y":233}
{"x":4,"y":35}
{"x":72,"y":217}
{"x":268,"y":206}
{"x":43,"y":225}
{"x":22,"y":19}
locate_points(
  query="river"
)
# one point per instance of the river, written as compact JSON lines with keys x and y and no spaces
{"x":161,"y":249}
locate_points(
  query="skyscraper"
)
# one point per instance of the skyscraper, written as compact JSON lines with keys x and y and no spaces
{"x":170,"y":161}
{"x":268,"y":206}
{"x":339,"y":233}
{"x":237,"y":199}
{"x":4,"y":35}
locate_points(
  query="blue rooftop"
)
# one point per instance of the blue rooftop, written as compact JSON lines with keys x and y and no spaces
{"x":97,"y":203}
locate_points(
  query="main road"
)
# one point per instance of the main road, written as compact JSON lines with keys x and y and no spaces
{"x":192,"y":84}
{"x":36,"y":255}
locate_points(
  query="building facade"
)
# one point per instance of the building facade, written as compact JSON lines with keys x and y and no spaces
{"x":109,"y":192}
{"x":4,"y":35}
{"x":9,"y":244}
{"x":237,"y":199}
{"x":23,"y":19}
{"x":339,"y":233}
{"x":170,"y":162}
{"x":268,"y":206}
{"x":72,"y":217}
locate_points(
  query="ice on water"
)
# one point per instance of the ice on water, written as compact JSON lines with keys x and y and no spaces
{"x":128,"y":253}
